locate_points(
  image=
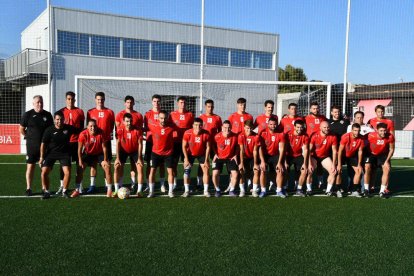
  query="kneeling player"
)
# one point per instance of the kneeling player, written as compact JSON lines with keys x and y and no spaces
{"x":322,"y":146}
{"x":56,"y":146}
{"x":297,"y":154}
{"x":93,"y":150}
{"x":226,"y":149}
{"x":162,"y":152}
{"x":272,"y":151}
{"x":353,"y":145}
{"x":196,"y":145}
{"x":249,"y":143}
{"x":381,"y":149}
{"x":129,"y":144}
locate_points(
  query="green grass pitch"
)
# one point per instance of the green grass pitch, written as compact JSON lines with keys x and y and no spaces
{"x":315,"y":235}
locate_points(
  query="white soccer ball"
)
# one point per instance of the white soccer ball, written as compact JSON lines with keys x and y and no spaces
{"x":123,"y":193}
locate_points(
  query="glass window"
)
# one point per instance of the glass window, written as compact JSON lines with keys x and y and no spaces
{"x":217,"y":56}
{"x":163,"y":51}
{"x":190,"y":53}
{"x":241,"y":58}
{"x":134,"y":48}
{"x":262,"y":60}
{"x":73,"y":43}
{"x":106,"y":46}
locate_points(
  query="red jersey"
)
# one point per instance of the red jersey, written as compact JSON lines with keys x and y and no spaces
{"x":162,"y":139}
{"x":237,"y":121}
{"x":76,"y":118}
{"x":226,"y":146}
{"x":378,"y":145}
{"x":150,"y":120}
{"x":92,"y":143}
{"x":129,"y":139}
{"x":105,"y":120}
{"x":196,"y":143}
{"x":249,"y":142}
{"x":262,"y":120}
{"x":374,"y":122}
{"x":137,"y":119}
{"x":296,"y":143}
{"x":182,"y":121}
{"x":270,"y":142}
{"x":287,"y":123}
{"x":351,"y":144}
{"x":211,"y":123}
{"x":322,"y":145}
{"x":313,"y":123}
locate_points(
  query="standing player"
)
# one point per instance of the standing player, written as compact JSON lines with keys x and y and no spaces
{"x":196,"y":145}
{"x":105,"y":120}
{"x":272,"y":151}
{"x":32,"y":126}
{"x":150,"y":120}
{"x":137,"y":123}
{"x":359,"y":119}
{"x":226,"y":149}
{"x":323,"y":149}
{"x":297,"y":154}
{"x":381,"y":149}
{"x":249,"y":143}
{"x":74,"y":117}
{"x":379,"y":111}
{"x":93,"y":150}
{"x":162,"y":152}
{"x":183,"y":120}
{"x":263,"y":119}
{"x":351,"y":151}
{"x":129,"y":144}
{"x":238,"y":118}
{"x":288,"y":121}
{"x":56,"y":146}
{"x":337,"y":124}
{"x":314,"y":119}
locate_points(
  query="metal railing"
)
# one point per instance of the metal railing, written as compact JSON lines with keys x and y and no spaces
{"x":28,"y":61}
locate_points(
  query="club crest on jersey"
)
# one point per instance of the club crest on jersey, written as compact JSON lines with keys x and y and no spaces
{"x":182,"y":117}
{"x":128,"y":135}
{"x":209,"y":120}
{"x":44,"y":119}
{"x":65,"y":132}
{"x":241,"y":119}
{"x":316,"y":121}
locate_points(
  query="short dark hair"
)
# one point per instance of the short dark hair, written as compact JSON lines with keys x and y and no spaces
{"x":380,"y":107}
{"x":127,"y":115}
{"x":292,"y":104}
{"x":356,"y":125}
{"x":241,"y":100}
{"x":314,"y":103}
{"x":156,"y":96}
{"x":209,"y":101}
{"x":181,"y":98}
{"x":335,"y":107}
{"x":299,"y":122}
{"x":70,"y":93}
{"x":359,"y":112}
{"x":249,"y":123}
{"x":381,"y":125}
{"x":198,"y":120}
{"x":163,"y":112}
{"x":100,"y":94}
{"x":58,"y":113}
{"x":269,"y":102}
{"x":129,"y":98}
{"x":227,"y":122}
{"x":91,"y":120}
{"x":272,"y":119}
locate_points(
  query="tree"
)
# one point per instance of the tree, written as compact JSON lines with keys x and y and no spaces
{"x":291,"y":73}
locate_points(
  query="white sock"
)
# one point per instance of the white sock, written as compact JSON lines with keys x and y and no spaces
{"x":271,"y":183}
{"x":320,"y":179}
{"x":299,"y":187}
{"x":278,"y":189}
{"x":151,"y":187}
{"x":328,"y":188}
{"x":255,"y":187}
{"x":366,"y":187}
{"x":175,"y":181}
{"x":109,"y":187}
{"x":64,"y":190}
{"x":249,"y":182}
{"x":309,"y":187}
{"x":170,"y":187}
{"x":79,"y":187}
{"x":116,"y":187}
{"x":47,"y":191}
{"x":241,"y":187}
{"x":139,"y":188}
{"x":231,"y":188}
{"x":263,"y":189}
{"x":106,"y":182}
{"x":186,"y":187}
{"x":217,"y":189}
{"x":93,"y":178}
{"x":199,"y":180}
{"x":205,"y":187}
{"x":61,"y":183}
{"x":383,"y":187}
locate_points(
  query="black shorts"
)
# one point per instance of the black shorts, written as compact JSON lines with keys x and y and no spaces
{"x":271,"y":162}
{"x":376,"y":160}
{"x":74,"y":152}
{"x":178,"y":153}
{"x":201,"y":159}
{"x":123,"y":156}
{"x":90,"y":160}
{"x":109,"y":147}
{"x":50,"y":161}
{"x":230,"y":165}
{"x":148,"y":150}
{"x":352,"y":161}
{"x":158,"y":160}
{"x":297,"y":162}
{"x":33,"y":153}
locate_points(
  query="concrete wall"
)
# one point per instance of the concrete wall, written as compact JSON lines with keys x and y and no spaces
{"x":36,"y":35}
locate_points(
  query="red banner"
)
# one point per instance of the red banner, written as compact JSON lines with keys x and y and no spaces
{"x":9,"y":138}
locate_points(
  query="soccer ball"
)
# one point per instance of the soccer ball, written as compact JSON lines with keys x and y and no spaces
{"x":123,"y":193}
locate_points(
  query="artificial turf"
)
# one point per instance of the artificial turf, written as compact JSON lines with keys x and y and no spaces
{"x":315,"y":235}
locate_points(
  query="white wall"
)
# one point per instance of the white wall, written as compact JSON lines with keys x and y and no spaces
{"x":404,"y":144}
{"x":36,"y":33}
{"x":42,"y":90}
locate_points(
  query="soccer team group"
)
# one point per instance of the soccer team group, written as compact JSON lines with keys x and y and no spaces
{"x":257,"y":153}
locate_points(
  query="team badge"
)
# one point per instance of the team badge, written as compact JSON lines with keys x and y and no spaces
{"x":65,"y":132}
{"x":44,"y":119}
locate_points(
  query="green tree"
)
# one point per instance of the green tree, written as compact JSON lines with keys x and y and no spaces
{"x":290,"y":73}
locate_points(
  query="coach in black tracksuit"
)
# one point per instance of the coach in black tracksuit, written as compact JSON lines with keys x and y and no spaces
{"x":32,"y":126}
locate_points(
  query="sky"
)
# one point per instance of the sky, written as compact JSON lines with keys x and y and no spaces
{"x":312,"y":32}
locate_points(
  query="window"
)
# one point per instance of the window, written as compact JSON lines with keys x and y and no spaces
{"x":217,"y":56}
{"x":134,"y":48}
{"x":190,"y":53}
{"x":73,"y":43}
{"x":262,"y":60}
{"x":163,"y":51}
{"x":389,"y":110}
{"x":106,"y":46}
{"x":241,"y":58}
